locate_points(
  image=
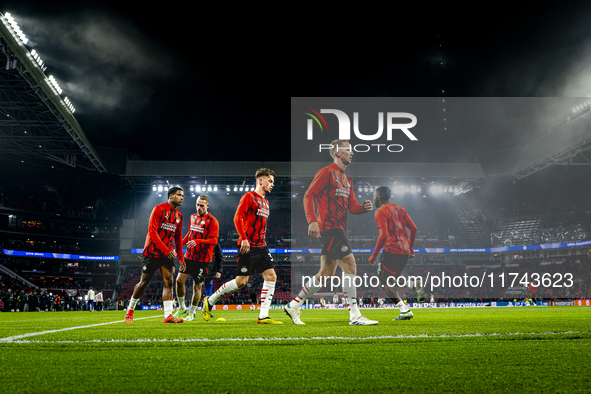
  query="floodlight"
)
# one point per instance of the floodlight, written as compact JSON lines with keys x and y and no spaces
{"x":154,"y":188}
{"x":227,"y":188}
{"x":215,"y":188}
{"x":241,"y":188}
{"x":208,"y":188}
{"x":413,"y":189}
{"x":366,"y":189}
{"x":192,"y":188}
{"x":160,"y":188}
{"x":235,"y":188}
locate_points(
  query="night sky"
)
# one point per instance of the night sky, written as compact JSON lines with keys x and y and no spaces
{"x":213,"y":84}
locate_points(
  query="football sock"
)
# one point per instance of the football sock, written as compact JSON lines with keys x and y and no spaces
{"x":182,"y":303}
{"x":192,"y":309}
{"x":266,"y":298}
{"x":168,"y":305}
{"x":402,"y":306}
{"x":132,"y":303}
{"x":226,"y":288}
{"x":307,"y":291}
{"x":351,"y":295}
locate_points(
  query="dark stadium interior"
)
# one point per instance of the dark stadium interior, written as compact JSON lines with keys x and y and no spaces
{"x":82,"y":184}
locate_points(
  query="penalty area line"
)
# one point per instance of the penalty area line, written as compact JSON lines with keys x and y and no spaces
{"x":32,"y":334}
{"x":283,"y":339}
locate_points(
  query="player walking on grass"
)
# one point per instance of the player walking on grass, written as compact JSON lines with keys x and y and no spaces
{"x":164,"y":228}
{"x":392,"y":221}
{"x":253,"y":256}
{"x":200,"y":241}
{"x":333,"y":192}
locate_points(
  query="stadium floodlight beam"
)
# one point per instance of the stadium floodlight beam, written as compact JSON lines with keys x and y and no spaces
{"x":38,"y":60}
{"x":16,"y":30}
{"x":69,"y":104}
{"x":55,"y":85}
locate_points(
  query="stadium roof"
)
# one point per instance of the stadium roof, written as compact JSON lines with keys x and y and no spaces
{"x":36,"y":123}
{"x":143,"y":173}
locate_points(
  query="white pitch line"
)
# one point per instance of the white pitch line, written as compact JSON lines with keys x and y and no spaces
{"x":32,"y":334}
{"x":185,"y":340}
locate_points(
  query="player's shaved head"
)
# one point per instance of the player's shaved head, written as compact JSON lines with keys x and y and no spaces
{"x":381,"y":195}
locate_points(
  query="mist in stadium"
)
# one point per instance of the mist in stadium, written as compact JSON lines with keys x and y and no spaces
{"x":424,"y":225}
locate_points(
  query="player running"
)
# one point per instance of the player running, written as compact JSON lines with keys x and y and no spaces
{"x":333,"y":192}
{"x":253,"y":256}
{"x":392,"y":221}
{"x":201,"y":240}
{"x":164,"y":228}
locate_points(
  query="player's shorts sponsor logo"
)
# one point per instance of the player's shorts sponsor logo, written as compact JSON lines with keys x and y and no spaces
{"x":344,"y":248}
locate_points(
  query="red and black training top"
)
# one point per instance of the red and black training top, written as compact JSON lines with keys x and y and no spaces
{"x":164,"y":227}
{"x":205,"y":231}
{"x":334,"y":194}
{"x":251,"y":219}
{"x":395,"y":220}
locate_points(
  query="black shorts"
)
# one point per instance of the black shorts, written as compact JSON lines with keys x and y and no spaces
{"x":153,"y":264}
{"x":197,"y":269}
{"x":334,"y":243}
{"x":256,"y":261}
{"x":393,"y":264}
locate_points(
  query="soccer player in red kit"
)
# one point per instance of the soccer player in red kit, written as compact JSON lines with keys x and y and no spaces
{"x":164,"y":228}
{"x":253,"y":256}
{"x":203,"y":234}
{"x":334,"y":194}
{"x":393,"y":221}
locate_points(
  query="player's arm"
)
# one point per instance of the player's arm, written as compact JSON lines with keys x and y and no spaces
{"x":354,"y":207}
{"x":239,"y":218}
{"x":382,"y":225}
{"x":178,"y":242}
{"x":413,"y":233}
{"x":318,"y":184}
{"x":153,"y":226}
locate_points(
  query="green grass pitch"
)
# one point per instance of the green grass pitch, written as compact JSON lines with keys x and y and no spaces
{"x":536,"y":349}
